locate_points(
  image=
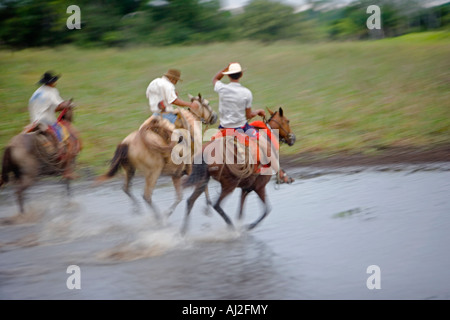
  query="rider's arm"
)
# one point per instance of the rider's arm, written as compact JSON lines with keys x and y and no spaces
{"x":63,"y":105}
{"x":182,"y":103}
{"x":249,"y":113}
{"x":219,"y":75}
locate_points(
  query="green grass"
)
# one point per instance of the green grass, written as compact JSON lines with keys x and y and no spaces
{"x":340,"y":97}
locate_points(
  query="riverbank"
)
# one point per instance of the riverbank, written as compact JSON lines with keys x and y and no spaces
{"x":392,"y":158}
{"x":389,"y":156}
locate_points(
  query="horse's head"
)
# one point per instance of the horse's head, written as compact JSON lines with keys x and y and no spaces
{"x":204,"y":113}
{"x":278,"y":121}
{"x":67,"y":113}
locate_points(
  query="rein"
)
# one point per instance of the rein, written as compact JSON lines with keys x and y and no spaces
{"x":266,"y":122}
{"x":62,"y":113}
{"x":202,"y":119}
{"x":279,"y":125}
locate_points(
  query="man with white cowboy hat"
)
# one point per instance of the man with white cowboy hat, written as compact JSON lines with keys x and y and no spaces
{"x":162,"y":96}
{"x":235,"y":100}
{"x":235,"y":107}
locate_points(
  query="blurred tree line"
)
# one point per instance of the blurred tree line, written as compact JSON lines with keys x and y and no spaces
{"x":26,"y":23}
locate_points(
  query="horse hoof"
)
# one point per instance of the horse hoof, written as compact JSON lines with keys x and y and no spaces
{"x":137,"y":211}
{"x":231,"y":227}
{"x":251,"y":226}
{"x":207,"y":212}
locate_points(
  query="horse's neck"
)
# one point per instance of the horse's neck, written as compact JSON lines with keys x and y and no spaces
{"x":188,"y":121}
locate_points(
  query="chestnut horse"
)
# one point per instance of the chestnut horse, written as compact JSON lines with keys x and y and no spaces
{"x":230,"y":179}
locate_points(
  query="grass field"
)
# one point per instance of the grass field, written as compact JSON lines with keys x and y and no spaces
{"x":353,"y":97}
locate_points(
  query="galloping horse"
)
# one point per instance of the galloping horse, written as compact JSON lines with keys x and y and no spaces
{"x":227,"y":174}
{"x":149,"y":150}
{"x":29,"y":155}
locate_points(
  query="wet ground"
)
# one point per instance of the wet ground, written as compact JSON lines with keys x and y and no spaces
{"x":323,"y":233}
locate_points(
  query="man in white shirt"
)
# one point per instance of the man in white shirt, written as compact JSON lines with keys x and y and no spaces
{"x":42,"y":106}
{"x":162,"y":96}
{"x":235,"y":100}
{"x":235,"y":108}
{"x":45,"y":101}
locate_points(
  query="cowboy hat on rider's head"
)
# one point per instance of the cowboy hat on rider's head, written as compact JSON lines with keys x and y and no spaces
{"x":173,"y":74}
{"x":49,"y":77}
{"x":233,"y":68}
{"x":234,"y":71}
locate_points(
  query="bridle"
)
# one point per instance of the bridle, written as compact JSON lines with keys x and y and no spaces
{"x":200,"y":115}
{"x":279,"y":126}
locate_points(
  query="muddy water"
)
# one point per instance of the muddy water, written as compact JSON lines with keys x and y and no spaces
{"x":323,"y":233}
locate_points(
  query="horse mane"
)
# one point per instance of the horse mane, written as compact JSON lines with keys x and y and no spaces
{"x":189,"y":117}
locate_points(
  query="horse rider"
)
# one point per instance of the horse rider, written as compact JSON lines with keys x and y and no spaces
{"x":42,"y":106}
{"x":162,"y":96}
{"x":235,"y":100}
{"x":235,"y":104}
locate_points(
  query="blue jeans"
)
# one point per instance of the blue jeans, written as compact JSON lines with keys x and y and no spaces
{"x":58,"y":131}
{"x":169,"y":116}
{"x":247,"y":129}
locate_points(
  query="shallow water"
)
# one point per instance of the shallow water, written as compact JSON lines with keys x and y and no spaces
{"x":322,"y":234}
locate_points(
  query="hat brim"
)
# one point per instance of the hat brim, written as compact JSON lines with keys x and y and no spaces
{"x":51,"y":80}
{"x":173,"y":77}
{"x":232,"y":72}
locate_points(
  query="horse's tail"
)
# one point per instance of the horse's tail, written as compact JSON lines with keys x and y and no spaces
{"x":8,"y":166}
{"x":120,"y":158}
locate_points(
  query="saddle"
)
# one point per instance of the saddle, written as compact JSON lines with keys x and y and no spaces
{"x":247,"y":145}
{"x":53,"y":141}
{"x":164,"y":129}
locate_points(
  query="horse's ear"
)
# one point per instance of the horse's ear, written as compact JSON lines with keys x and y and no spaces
{"x":270,"y":111}
{"x":281,"y":111}
{"x":199,"y":96}
{"x":190,"y":96}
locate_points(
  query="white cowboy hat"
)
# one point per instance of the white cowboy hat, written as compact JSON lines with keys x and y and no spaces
{"x":233,"y":68}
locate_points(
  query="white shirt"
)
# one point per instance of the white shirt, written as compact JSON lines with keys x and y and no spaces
{"x":161,"y":89}
{"x":43,"y":103}
{"x":234,"y":99}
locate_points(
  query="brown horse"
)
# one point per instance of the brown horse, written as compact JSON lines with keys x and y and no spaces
{"x":149,"y":150}
{"x":229,"y":177}
{"x":30,"y":155}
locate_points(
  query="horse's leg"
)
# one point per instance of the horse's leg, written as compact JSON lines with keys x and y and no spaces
{"x":225,"y":192}
{"x":199,"y":189}
{"x":129,"y":174}
{"x":68,"y":190}
{"x":261,"y":192}
{"x":150,"y":182}
{"x":208,"y":202}
{"x":241,"y":206}
{"x":66,"y":183}
{"x":179,"y":194}
{"x":24,"y":183}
